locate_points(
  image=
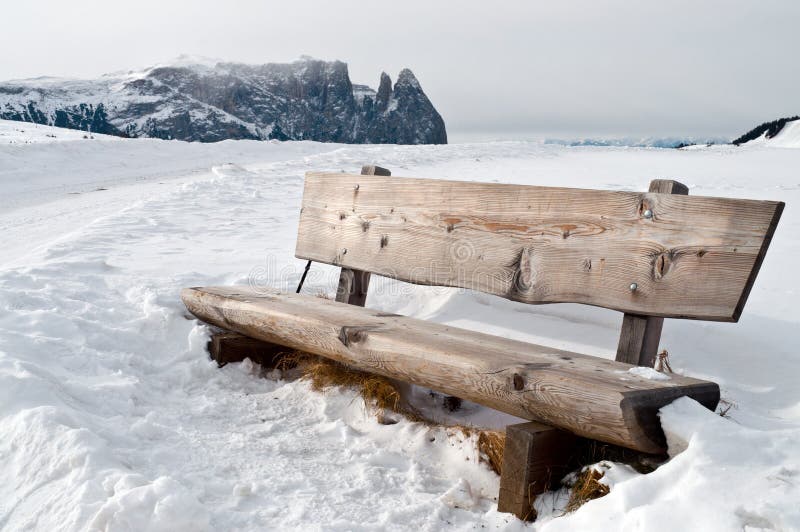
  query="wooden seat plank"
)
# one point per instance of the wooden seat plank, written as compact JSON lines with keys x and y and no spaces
{"x":588,"y":396}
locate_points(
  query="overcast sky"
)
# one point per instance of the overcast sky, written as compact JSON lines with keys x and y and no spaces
{"x":560,"y":67}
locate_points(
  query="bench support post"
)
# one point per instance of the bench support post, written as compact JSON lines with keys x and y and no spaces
{"x":353,"y":284}
{"x":534,"y":459}
{"x":225,"y":347}
{"x":639,"y":337}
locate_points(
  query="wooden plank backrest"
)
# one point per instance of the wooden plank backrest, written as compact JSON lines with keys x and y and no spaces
{"x":649,"y":254}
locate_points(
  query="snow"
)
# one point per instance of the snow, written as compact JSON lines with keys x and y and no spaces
{"x":28,"y":133}
{"x":648,"y":373}
{"x":113,"y":418}
{"x":722,"y":476}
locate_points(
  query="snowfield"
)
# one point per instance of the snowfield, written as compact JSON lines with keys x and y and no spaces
{"x":112,"y":417}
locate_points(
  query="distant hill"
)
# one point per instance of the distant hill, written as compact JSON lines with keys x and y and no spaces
{"x":767,"y":130}
{"x":308,"y":99}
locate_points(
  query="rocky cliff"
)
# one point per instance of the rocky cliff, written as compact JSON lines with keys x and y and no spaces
{"x":304,"y":100}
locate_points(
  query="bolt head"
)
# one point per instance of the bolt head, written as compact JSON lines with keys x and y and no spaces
{"x":356,"y":187}
{"x":633,"y":287}
{"x":648,"y":214}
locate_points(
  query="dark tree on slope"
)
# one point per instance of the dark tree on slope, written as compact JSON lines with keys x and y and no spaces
{"x":770,"y":128}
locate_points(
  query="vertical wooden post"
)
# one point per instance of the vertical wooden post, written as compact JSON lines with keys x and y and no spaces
{"x":534,"y":459}
{"x":639,"y":337}
{"x":353,"y":284}
{"x":226,"y":347}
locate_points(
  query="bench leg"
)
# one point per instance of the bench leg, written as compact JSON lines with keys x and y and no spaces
{"x":228,"y":347}
{"x":534,"y":459}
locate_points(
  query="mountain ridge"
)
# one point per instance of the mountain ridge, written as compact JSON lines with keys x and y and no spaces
{"x":307,"y":99}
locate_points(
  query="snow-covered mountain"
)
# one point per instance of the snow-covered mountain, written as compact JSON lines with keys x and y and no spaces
{"x":308,"y":99}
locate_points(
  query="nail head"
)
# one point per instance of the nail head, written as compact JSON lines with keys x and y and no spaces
{"x":634,"y":286}
{"x":648,"y":214}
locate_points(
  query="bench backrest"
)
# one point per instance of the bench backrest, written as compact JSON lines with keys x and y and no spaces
{"x":651,"y":254}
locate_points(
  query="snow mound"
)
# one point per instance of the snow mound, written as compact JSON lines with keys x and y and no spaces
{"x":163,"y":505}
{"x":722,"y":477}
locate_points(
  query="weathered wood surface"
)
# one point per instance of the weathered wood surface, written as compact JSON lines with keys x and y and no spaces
{"x":638,"y":340}
{"x":227,"y":347}
{"x":370,"y":169}
{"x":639,"y":335}
{"x":354,"y":284}
{"x":695,"y":257}
{"x":535,"y":458}
{"x":588,"y":396}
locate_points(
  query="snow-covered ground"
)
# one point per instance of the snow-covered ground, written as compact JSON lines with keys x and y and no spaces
{"x":113,"y":418}
{"x":29,"y":133}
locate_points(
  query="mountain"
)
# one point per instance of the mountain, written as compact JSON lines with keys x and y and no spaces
{"x":637,"y":142}
{"x":308,"y":99}
{"x":769,"y":130}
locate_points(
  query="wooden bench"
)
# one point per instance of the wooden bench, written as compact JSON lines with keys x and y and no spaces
{"x":651,"y":255}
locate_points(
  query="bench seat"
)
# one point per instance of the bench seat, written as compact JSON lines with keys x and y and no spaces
{"x":588,"y":396}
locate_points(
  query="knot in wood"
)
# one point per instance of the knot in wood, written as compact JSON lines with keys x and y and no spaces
{"x":661,"y":266}
{"x":350,"y":335}
{"x":523,"y":273}
{"x":518,"y":381}
{"x":353,"y":334}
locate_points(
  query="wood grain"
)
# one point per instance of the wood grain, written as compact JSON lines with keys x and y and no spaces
{"x":354,"y":284}
{"x":227,"y":347}
{"x":640,"y":335}
{"x":585,"y":395}
{"x":638,"y":340}
{"x":535,"y":459}
{"x":694,"y":258}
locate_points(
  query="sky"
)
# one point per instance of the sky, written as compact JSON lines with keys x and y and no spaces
{"x":495,"y":68}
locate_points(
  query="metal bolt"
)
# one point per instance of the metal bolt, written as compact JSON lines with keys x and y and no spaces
{"x":634,"y":286}
{"x":648,"y":214}
{"x":356,"y":187}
